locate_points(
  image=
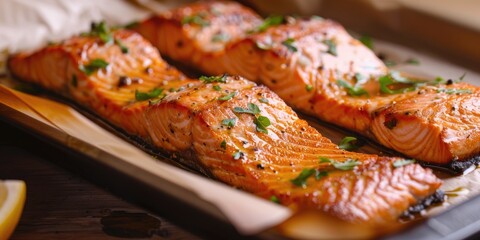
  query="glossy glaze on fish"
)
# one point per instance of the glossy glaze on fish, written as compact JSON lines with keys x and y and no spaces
{"x":218,"y":121}
{"x":312,"y":63}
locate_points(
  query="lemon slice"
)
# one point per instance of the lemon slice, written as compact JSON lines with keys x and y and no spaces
{"x":12,"y":199}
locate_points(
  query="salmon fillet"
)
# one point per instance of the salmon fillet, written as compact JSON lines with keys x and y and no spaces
{"x":240,"y":133}
{"x":318,"y":68}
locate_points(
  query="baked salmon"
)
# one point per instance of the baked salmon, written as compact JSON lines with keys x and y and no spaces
{"x":315,"y":66}
{"x":240,"y":133}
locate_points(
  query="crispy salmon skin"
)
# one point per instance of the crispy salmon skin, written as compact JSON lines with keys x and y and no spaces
{"x":240,"y":133}
{"x":318,"y":68}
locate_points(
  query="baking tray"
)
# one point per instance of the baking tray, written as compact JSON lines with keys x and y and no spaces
{"x":186,"y":208}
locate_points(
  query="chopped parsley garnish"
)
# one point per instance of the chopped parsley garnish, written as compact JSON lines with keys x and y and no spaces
{"x":102,"y":31}
{"x":320,"y":174}
{"x":220,"y":37}
{"x":412,"y":61}
{"x":223,"y":145}
{"x":212,"y":79}
{"x":227,"y":97}
{"x":367,"y":41}
{"x":123,"y":48}
{"x":197,"y":19}
{"x":352,"y":90}
{"x":308,"y":87}
{"x":439,"y":80}
{"x":268,"y":22}
{"x":301,"y":179}
{"x":262,"y":123}
{"x":289,"y":44}
{"x":252,"y":109}
{"x":349,"y":143}
{"x":348,"y":164}
{"x":403,"y":162}
{"x":332,"y":46}
{"x":275,"y":199}
{"x":263,"y":100}
{"x":93,"y":66}
{"x":394,"y":78}
{"x":74,"y":80}
{"x":450,"y":91}
{"x":237,"y":155}
{"x":229,"y":122}
{"x":142,"y":96}
{"x":217,"y":88}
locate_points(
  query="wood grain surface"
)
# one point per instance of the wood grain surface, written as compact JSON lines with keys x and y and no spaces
{"x":62,"y":205}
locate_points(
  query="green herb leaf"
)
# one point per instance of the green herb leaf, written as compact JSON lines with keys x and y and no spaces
{"x":352,"y":91}
{"x":212,"y":79}
{"x":93,"y":66}
{"x":102,"y":31}
{"x":229,"y":122}
{"x":268,"y":22}
{"x":289,"y":44}
{"x":450,"y":91}
{"x":346,"y":165}
{"x":142,"y":96}
{"x":237,"y":155}
{"x":403,"y":162}
{"x":301,"y":179}
{"x":227,"y":97}
{"x":217,"y":88}
{"x":252,"y":109}
{"x":349,"y":143}
{"x":220,"y":37}
{"x":262,"y":123}
{"x":412,"y":61}
{"x":320,"y":174}
{"x":223,"y":145}
{"x":123,"y":48}
{"x":349,"y":164}
{"x":275,"y":199}
{"x":367,"y":41}
{"x":74,"y":80}
{"x":308,"y":87}
{"x":263,"y":100}
{"x":439,"y":80}
{"x":198,"y":19}
{"x":332,"y":46}
{"x":394,"y":78}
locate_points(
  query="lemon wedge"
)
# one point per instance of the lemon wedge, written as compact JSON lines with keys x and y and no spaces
{"x":12,"y":199}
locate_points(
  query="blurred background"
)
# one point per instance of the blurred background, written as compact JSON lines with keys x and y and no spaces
{"x":447,"y":28}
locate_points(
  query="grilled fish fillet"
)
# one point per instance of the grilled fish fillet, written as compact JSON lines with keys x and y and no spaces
{"x":188,"y":116}
{"x":318,"y":68}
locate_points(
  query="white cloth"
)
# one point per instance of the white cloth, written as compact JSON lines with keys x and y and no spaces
{"x":29,"y":24}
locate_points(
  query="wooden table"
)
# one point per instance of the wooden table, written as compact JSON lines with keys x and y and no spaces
{"x":62,"y":205}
